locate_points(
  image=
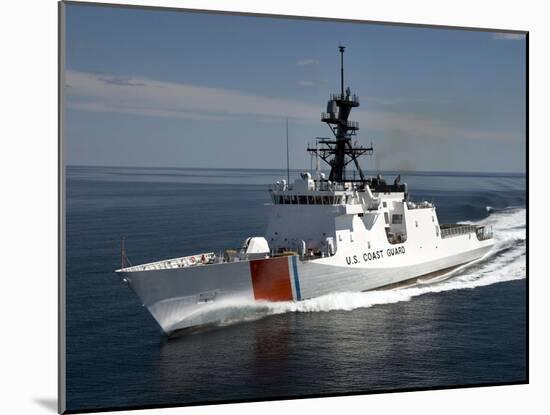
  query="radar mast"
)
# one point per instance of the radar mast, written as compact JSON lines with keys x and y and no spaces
{"x":339,"y":151}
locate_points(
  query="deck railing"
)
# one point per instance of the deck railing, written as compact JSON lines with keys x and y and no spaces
{"x":352,"y":124}
{"x":354,"y":98}
{"x":482,"y":232}
{"x":333,"y":118}
{"x":183,"y":262}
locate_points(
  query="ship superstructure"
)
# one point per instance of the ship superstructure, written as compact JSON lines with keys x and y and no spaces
{"x":344,"y":232}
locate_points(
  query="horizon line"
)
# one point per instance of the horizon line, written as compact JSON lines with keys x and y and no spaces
{"x":524,"y":173}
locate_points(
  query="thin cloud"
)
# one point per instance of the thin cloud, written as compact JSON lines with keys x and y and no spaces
{"x":508,"y":36}
{"x":143,"y":96}
{"x":305,"y":83}
{"x":148,"y":112}
{"x":120,"y":80}
{"x":140,"y":96}
{"x":307,"y":61}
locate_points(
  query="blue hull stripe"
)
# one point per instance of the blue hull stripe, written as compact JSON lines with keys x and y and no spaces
{"x":296,"y":279}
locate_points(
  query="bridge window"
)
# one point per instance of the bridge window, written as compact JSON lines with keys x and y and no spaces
{"x":307,"y":200}
{"x":397,"y":219}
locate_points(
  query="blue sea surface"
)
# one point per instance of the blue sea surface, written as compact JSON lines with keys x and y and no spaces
{"x":466,"y":330}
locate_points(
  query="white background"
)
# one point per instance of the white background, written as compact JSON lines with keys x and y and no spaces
{"x":28,"y":204}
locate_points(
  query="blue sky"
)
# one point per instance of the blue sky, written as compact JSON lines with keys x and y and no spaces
{"x":179,"y":89}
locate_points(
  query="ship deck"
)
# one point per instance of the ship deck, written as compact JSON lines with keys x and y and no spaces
{"x":181,"y":262}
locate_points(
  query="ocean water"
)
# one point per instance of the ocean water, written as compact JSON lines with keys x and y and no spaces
{"x":468,"y":329}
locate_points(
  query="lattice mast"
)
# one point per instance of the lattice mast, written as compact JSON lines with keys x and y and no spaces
{"x":339,"y":151}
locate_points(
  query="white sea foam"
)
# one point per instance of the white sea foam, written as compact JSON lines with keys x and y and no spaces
{"x":505,"y":262}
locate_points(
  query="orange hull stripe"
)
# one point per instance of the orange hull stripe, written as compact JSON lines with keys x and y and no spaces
{"x":271,"y":279}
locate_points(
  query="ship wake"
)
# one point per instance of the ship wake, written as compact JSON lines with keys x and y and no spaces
{"x":505,"y":262}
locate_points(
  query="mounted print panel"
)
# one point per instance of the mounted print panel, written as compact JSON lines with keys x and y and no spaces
{"x":261,"y":207}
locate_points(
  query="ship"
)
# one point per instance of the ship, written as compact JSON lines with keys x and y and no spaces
{"x":347,"y":232}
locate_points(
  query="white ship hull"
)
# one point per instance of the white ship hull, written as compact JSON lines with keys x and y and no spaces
{"x":179,"y":298}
